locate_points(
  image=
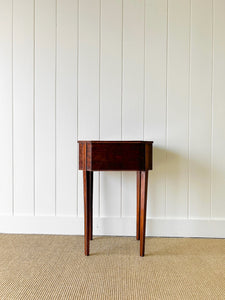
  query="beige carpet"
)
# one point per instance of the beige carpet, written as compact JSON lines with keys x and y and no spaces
{"x":54,"y":267}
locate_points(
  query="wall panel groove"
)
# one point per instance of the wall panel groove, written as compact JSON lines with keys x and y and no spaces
{"x":6,"y":108}
{"x":133,"y":93}
{"x":56,"y":106}
{"x":218,"y":112}
{"x":66,"y":108}
{"x":45,"y":106}
{"x":34,"y":202}
{"x":177,"y":108}
{"x":189,"y":108}
{"x":110,"y":100}
{"x":23,"y":106}
{"x":88,"y":96}
{"x":77,"y":95}
{"x":212,"y":121}
{"x":155,"y":101}
{"x":200,"y":118}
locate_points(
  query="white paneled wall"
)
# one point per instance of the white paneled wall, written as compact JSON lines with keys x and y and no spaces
{"x":111,"y":99}
{"x":6,"y":109}
{"x":112,"y":70}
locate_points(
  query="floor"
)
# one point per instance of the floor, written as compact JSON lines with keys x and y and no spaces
{"x":54,"y":267}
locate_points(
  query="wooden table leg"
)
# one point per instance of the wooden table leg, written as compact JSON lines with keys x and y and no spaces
{"x":91,"y":205}
{"x":138,"y":205}
{"x":144,"y":185}
{"x":87,"y":177}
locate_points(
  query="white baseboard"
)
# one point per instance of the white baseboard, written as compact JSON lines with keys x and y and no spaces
{"x":126,"y":226}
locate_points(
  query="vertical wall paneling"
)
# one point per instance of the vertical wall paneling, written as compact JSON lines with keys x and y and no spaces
{"x":88,"y":85}
{"x":6,"y":170}
{"x":110,"y":99}
{"x":112,"y":70}
{"x":45,"y":77}
{"x":66,"y":107}
{"x":200,"y":108}
{"x":155,"y":100}
{"x":133,"y":94}
{"x":23,"y":96}
{"x":218,"y":142}
{"x":177,"y":108}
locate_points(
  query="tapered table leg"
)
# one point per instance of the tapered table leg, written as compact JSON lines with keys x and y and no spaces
{"x":91,"y":205}
{"x":86,"y":179}
{"x":138,"y":205}
{"x":144,"y":184}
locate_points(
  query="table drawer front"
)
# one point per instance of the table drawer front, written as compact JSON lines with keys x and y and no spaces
{"x":117,"y":156}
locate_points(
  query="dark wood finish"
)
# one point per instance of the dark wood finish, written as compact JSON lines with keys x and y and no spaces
{"x":138,"y":204}
{"x":115,"y":156}
{"x":91,"y":205}
{"x":144,"y":185}
{"x":88,"y":208}
{"x":86,"y":212}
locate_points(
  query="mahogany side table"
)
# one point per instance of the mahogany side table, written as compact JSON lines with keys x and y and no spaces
{"x":115,"y":156}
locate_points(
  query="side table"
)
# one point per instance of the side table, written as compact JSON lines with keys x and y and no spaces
{"x":115,"y":156}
